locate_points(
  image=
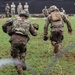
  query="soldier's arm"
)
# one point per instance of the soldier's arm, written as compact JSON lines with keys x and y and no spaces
{"x":8,"y":7}
{"x":32,"y":30}
{"x":42,"y":11}
{"x":46,"y":27}
{"x":8,"y":23}
{"x":68,"y":23}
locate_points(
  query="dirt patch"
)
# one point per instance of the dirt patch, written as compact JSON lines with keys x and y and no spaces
{"x":70,"y":55}
{"x":54,"y":74}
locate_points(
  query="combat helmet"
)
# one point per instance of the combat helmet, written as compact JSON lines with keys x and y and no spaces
{"x":53,"y":8}
{"x":24,"y":13}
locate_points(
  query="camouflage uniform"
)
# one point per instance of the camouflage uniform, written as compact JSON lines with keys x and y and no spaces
{"x":45,"y":11}
{"x":26,"y":6}
{"x":57,"y":28}
{"x":7,"y":9}
{"x":63,"y":11}
{"x":19,"y":8}
{"x":13,"y":9}
{"x":19,"y":30}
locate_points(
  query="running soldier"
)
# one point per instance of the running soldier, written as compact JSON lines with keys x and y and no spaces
{"x":56,"y":19}
{"x":13,"y":9}
{"x":19,"y":30}
{"x":7,"y":10}
{"x":19,"y":8}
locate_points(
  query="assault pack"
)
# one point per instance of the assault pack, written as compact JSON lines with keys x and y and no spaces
{"x":56,"y":21}
{"x":55,"y":16}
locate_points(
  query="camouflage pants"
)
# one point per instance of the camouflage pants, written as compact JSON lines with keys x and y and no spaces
{"x":19,"y":11}
{"x":56,"y":40}
{"x":7,"y":14}
{"x":18,"y":51}
{"x":12,"y":12}
{"x":56,"y":36}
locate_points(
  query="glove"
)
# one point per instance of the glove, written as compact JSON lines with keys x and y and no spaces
{"x":45,"y":38}
{"x":36,"y":26}
{"x":70,"y":33}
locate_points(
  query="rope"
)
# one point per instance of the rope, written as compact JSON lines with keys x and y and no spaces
{"x":57,"y":61}
{"x":60,"y":68}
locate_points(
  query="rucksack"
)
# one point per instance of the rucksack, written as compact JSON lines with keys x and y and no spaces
{"x":56,"y":22}
{"x":55,"y":16}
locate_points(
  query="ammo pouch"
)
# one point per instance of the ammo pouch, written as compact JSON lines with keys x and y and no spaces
{"x":20,"y":32}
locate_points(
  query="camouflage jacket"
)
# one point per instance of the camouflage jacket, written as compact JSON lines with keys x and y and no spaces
{"x":19,"y":26}
{"x":49,"y":21}
{"x":7,"y":8}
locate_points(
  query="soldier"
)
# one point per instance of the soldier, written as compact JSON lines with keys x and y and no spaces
{"x":63,"y":11}
{"x":45,"y":11}
{"x":19,"y":8}
{"x":7,"y":9}
{"x":49,"y":10}
{"x":26,"y":6}
{"x":13,"y":9}
{"x":56,"y":18}
{"x":19,"y":30}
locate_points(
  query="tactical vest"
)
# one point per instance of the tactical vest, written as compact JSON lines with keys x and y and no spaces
{"x":56,"y":21}
{"x":21,"y":26}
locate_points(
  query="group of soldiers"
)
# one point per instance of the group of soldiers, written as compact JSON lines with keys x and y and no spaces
{"x":12,"y":7}
{"x":19,"y":28}
{"x":46,"y":11}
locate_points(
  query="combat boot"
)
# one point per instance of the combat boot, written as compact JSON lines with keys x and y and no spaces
{"x":19,"y":69}
{"x":56,"y":48}
{"x":23,"y":64}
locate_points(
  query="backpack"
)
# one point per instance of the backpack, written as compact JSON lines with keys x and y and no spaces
{"x":56,"y":22}
{"x":56,"y":16}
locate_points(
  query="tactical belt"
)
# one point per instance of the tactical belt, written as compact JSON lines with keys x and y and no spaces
{"x":57,"y":26}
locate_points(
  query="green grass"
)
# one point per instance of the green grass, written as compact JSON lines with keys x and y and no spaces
{"x":39,"y":52}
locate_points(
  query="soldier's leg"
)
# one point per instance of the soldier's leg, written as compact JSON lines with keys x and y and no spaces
{"x":57,"y":46}
{"x":14,"y":12}
{"x":56,"y":41}
{"x":15,"y":55}
{"x":23,"y":49}
{"x":22,"y":57}
{"x":18,"y":44}
{"x":6,"y":14}
{"x":11,"y":12}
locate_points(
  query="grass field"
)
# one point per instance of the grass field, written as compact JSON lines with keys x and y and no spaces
{"x":39,"y":52}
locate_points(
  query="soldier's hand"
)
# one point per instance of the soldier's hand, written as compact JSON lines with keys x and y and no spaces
{"x":45,"y":38}
{"x":70,"y":33}
{"x":36,"y":26}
